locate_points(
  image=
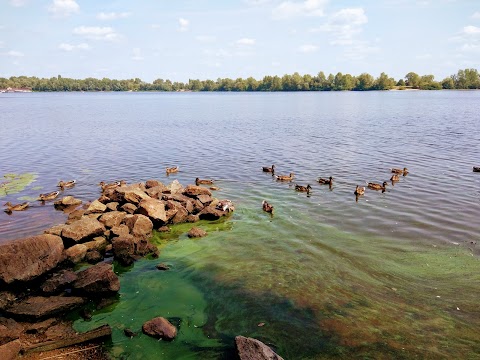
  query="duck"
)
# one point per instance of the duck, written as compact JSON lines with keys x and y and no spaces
{"x":225,"y":205}
{"x":171,"y":170}
{"x":17,"y":207}
{"x":328,"y":181}
{"x":48,"y":196}
{"x":303,"y":188}
{"x":269,"y":169}
{"x":203,"y":181}
{"x":359,"y":190}
{"x":375,"y":186}
{"x":267,"y":207}
{"x":476,"y":169}
{"x":403,"y":171}
{"x":66,"y":184}
{"x":113,"y":185}
{"x":395,"y":177}
{"x":284,"y":177}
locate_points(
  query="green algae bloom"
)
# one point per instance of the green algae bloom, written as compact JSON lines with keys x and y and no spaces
{"x":14,"y":183}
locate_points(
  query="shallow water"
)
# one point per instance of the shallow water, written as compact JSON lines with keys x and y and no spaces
{"x":394,"y":275}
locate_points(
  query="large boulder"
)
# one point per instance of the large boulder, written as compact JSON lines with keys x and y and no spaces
{"x":27,"y":258}
{"x":112,"y":218}
{"x":211,"y":213}
{"x":67,"y":202}
{"x":124,"y":249}
{"x":160,"y":328}
{"x":253,"y":349}
{"x":97,"y":280}
{"x":39,"y":307}
{"x":140,"y":225}
{"x":82,"y":230}
{"x":193,"y":190}
{"x":132,"y":194}
{"x":154,"y":209}
{"x":58,"y":281}
{"x":96,"y":207}
{"x":76,"y":253}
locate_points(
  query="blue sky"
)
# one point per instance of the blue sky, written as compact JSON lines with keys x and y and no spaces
{"x":210,"y":39}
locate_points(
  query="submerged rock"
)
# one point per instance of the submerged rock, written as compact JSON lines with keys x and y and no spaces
{"x":196,"y":232}
{"x":98,"y":280}
{"x":253,"y":349}
{"x":160,"y":328}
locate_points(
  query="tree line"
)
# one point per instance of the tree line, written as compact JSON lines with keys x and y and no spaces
{"x":463,"y":79}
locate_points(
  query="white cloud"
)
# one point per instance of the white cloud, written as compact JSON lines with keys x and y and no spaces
{"x":344,"y":25}
{"x":184,"y":23}
{"x":289,"y":9}
{"x":156,"y":26}
{"x":257,"y":2}
{"x":113,"y":15}
{"x":476,"y":15}
{"x":424,"y":56}
{"x":2,"y":44}
{"x":15,"y":53}
{"x":245,"y":41}
{"x":470,"y":48}
{"x":97,"y":33}
{"x":63,"y":8}
{"x":70,"y":47}
{"x":308,"y":48}
{"x":137,"y":54}
{"x":18,"y":3}
{"x":469,"y":36}
{"x":471,"y":30}
{"x":205,"y":38}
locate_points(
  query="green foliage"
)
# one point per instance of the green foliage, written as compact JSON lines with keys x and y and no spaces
{"x":464,"y":79}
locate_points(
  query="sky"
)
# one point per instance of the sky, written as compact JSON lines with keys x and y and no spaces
{"x":210,"y":39}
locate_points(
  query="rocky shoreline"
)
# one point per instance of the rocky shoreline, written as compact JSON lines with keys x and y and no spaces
{"x":37,"y":278}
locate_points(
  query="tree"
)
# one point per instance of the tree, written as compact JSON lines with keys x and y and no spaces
{"x":383,"y":82}
{"x":365,"y":82}
{"x":448,"y":83}
{"x":412,"y":79}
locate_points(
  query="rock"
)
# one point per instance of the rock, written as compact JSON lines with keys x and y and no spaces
{"x":58,"y":281}
{"x":98,"y":243}
{"x":27,"y":258}
{"x":149,"y":184}
{"x":192,"y":218}
{"x":112,"y":206}
{"x":154,"y":209}
{"x":67,"y":201}
{"x":179,"y":214}
{"x":82,"y":230}
{"x":156,"y":192}
{"x":196,"y":232}
{"x":55,"y":230}
{"x":121,"y":230}
{"x":104,"y":199}
{"x":9,"y":330}
{"x":39,"y":307}
{"x":10,"y":351}
{"x":6,"y":299}
{"x":93,"y":257}
{"x":205,"y":199}
{"x":162,"y":266}
{"x":112,"y":218}
{"x":97,"y":280}
{"x":129,"y":208}
{"x":160,"y":328}
{"x":129,"y":333}
{"x":164,"y":229}
{"x":211,"y":213}
{"x":132,"y":193}
{"x":175,"y":187}
{"x":75,"y":215}
{"x":253,"y":349}
{"x":86,"y":314}
{"x":96,"y":207}
{"x":76,"y":253}
{"x":193,"y":191}
{"x":140,"y":226}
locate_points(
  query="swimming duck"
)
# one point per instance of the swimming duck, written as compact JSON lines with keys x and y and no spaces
{"x":359,"y":190}
{"x":375,"y":186}
{"x":395,"y":177}
{"x":225,"y":205}
{"x":269,"y":169}
{"x":113,"y":185}
{"x":203,"y":181}
{"x":17,"y":207}
{"x":404,"y":172}
{"x":328,"y":181}
{"x":66,"y":184}
{"x":172,"y":170}
{"x":267,"y":207}
{"x":284,"y":177}
{"x":49,"y":196}
{"x":303,"y":188}
{"x":476,"y":169}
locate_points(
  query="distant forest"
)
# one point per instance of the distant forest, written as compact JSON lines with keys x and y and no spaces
{"x":463,"y":79}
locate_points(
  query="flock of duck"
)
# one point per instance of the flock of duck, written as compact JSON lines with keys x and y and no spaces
{"x":359,"y":190}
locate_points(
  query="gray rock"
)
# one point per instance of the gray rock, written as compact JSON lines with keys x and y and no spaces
{"x":253,"y":349}
{"x":27,"y":258}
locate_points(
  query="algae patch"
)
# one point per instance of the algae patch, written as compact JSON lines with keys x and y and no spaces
{"x":14,"y":183}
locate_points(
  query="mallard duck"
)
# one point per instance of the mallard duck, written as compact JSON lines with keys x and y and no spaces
{"x":285,"y":177}
{"x":203,"y":181}
{"x":113,"y":185}
{"x":66,"y":184}
{"x":49,"y":196}
{"x":172,"y":170}
{"x":17,"y":207}
{"x":403,"y":171}
{"x":375,"y":186}
{"x":476,"y":169}
{"x":323,"y":181}
{"x":267,"y":207}
{"x":359,"y":190}
{"x":225,"y":205}
{"x":269,"y":169}
{"x":303,"y":188}
{"x":395,"y":177}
